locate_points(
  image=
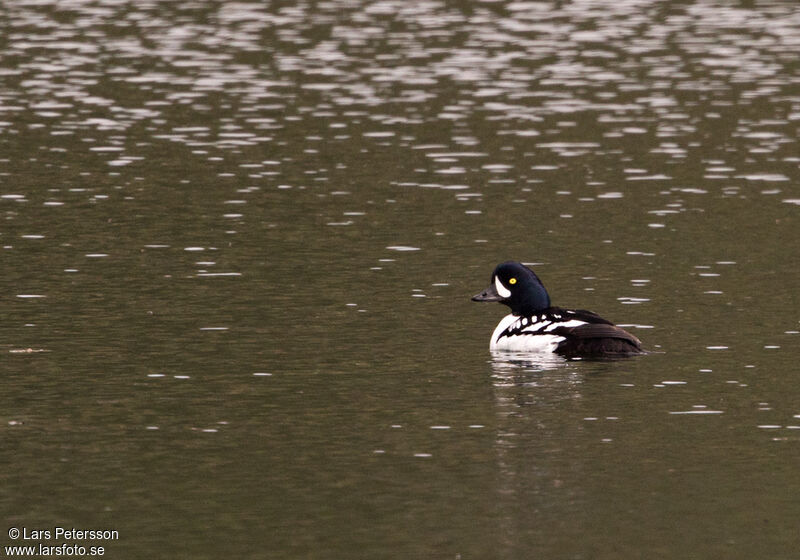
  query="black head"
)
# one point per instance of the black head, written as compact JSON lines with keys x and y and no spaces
{"x":515,"y":285}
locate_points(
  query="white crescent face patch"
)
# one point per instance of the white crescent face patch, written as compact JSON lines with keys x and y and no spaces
{"x":504,"y":292}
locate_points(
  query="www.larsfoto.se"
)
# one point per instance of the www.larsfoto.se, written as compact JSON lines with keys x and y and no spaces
{"x":54,"y":550}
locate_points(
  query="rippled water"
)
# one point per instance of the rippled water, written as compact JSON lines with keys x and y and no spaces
{"x":238,"y":245}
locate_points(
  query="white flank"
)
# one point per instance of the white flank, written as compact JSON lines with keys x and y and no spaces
{"x":523,"y":342}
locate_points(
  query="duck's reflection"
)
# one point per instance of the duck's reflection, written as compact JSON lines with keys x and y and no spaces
{"x":505,"y":361}
{"x":527,"y":385}
{"x":538,"y":486}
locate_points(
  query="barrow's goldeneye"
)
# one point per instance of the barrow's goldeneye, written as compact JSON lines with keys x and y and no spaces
{"x":536,"y":326}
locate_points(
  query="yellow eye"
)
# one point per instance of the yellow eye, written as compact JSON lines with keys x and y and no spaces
{"x":512,"y":281}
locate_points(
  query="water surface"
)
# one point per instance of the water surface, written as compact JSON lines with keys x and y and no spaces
{"x":238,"y":245}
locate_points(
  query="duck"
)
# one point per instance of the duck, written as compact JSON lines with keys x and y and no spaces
{"x":534,"y":325}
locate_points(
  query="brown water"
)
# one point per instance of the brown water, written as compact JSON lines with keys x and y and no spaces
{"x":238,"y":245}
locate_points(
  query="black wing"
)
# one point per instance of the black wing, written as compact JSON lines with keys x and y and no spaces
{"x":597,"y":336}
{"x":598,"y":330}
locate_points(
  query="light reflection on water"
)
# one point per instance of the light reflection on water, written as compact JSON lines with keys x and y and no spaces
{"x":513,"y":65}
{"x":238,"y":241}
